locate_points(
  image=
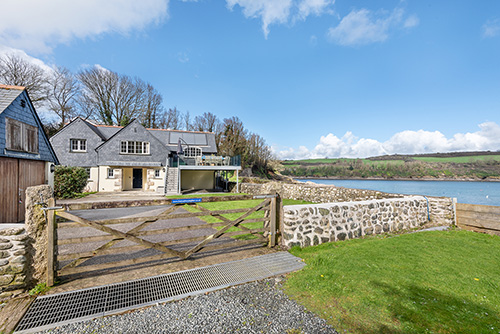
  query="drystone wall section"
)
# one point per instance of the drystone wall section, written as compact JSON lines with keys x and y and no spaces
{"x":441,"y":210}
{"x":14,"y":266}
{"x":308,"y":225}
{"x":312,"y":192}
{"x":23,"y":250}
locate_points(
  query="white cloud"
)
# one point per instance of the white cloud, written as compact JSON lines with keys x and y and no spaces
{"x":38,"y":26}
{"x":314,"y":7}
{"x":363,"y":26}
{"x":280,"y":11}
{"x":405,"y":142}
{"x":491,"y":28}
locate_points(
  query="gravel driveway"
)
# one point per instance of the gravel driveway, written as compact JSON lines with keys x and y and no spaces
{"x":258,"y":307}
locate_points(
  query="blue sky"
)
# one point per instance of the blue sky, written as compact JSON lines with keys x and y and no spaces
{"x":315,"y":78}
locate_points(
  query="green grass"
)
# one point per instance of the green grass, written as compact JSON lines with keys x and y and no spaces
{"x":432,"y":282}
{"x":465,"y":159}
{"x":228,"y":205}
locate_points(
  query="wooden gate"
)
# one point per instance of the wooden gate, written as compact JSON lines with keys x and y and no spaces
{"x":17,"y":175}
{"x":257,"y":223}
{"x":479,"y":218}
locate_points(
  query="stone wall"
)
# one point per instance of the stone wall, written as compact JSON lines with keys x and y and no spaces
{"x":14,"y":269}
{"x":312,"y":192}
{"x":313,"y":224}
{"x":440,"y":208}
{"x":23,"y":250}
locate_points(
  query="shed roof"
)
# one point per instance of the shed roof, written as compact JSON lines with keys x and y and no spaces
{"x":8,"y":94}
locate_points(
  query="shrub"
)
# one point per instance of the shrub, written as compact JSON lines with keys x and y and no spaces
{"x":69,"y":181}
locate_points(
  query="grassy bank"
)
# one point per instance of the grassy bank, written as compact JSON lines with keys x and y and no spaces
{"x":430,"y":282}
{"x":467,"y":167}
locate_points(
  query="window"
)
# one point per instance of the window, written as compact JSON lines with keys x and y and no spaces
{"x":192,"y":151}
{"x":134,"y":147}
{"x":157,"y":173}
{"x":78,"y":145}
{"x":87,"y":169}
{"x":111,"y":173}
{"x":21,"y":136}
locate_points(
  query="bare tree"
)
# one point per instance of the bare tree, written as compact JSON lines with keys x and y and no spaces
{"x":152,"y":108}
{"x":170,"y":119}
{"x":187,"y":121}
{"x":206,"y":122}
{"x":111,"y":98}
{"x":17,"y":71}
{"x":63,"y":90}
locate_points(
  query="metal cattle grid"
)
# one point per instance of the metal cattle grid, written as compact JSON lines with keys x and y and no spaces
{"x":69,"y":307}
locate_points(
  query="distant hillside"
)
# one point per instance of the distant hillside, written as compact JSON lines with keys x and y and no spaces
{"x":456,"y":165}
{"x":435,"y":155}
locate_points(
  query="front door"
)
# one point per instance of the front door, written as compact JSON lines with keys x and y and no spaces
{"x":137,"y":178}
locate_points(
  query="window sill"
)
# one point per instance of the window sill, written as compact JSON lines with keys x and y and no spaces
{"x":121,"y":153}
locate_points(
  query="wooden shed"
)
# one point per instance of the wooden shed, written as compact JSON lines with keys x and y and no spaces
{"x":26,"y":156}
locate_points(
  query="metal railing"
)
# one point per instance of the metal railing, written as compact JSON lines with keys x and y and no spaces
{"x":205,"y":160}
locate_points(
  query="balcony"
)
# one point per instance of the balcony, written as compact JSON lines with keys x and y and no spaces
{"x":205,"y":160}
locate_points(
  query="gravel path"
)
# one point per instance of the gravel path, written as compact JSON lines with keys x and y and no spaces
{"x":258,"y":307}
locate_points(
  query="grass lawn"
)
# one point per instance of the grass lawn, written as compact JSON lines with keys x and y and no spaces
{"x":228,"y":205}
{"x":429,"y":282}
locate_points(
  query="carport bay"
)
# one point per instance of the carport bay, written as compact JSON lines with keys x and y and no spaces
{"x":96,"y":239}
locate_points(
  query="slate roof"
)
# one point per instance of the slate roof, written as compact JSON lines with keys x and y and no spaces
{"x":8,"y":94}
{"x":169,"y":138}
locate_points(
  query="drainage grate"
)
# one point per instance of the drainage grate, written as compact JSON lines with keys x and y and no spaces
{"x":64,"y":308}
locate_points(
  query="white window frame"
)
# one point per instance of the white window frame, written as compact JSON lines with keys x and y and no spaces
{"x":134,"y":147}
{"x":88,"y":169}
{"x":81,"y":145}
{"x":157,"y":173}
{"x":193,"y":151}
{"x":111,"y":173}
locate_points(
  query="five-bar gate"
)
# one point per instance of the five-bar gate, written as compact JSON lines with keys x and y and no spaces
{"x":183,"y":227}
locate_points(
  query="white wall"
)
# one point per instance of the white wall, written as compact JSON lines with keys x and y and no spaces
{"x":110,"y":184}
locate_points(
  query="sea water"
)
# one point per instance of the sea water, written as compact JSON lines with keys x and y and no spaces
{"x":485,"y":193}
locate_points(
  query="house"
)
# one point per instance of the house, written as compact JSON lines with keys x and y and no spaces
{"x":26,"y":156}
{"x":135,"y":158}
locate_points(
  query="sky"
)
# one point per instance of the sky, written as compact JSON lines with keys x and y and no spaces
{"x":314,"y":78}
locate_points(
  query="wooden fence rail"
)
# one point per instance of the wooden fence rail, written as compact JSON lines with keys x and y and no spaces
{"x":479,"y":218}
{"x":106,"y":234}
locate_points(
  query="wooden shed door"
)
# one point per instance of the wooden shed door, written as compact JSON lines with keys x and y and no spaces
{"x":9,"y":190}
{"x":31,"y":173}
{"x":16,"y":175}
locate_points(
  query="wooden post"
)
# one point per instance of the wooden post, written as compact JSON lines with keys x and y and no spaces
{"x":51,"y":217}
{"x":455,"y":211}
{"x":279,"y":217}
{"x":272,"y":223}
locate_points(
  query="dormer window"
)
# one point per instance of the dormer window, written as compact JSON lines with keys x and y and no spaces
{"x":134,"y":147}
{"x":78,"y":145}
{"x":193,"y":151}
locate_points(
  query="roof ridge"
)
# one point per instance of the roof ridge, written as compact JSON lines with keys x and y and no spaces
{"x":178,"y":130}
{"x":12,"y":87}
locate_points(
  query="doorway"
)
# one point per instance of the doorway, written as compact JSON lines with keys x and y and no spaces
{"x":137,"y":178}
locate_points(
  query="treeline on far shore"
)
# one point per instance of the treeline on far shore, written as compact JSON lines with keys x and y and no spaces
{"x":487,"y":168}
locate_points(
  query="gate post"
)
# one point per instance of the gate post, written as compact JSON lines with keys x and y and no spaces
{"x":51,"y":217}
{"x":274,"y":216}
